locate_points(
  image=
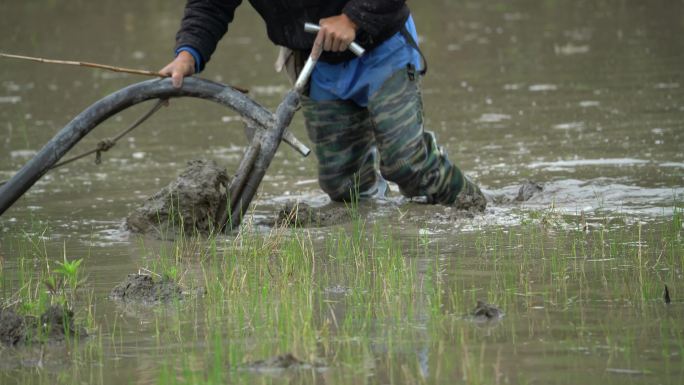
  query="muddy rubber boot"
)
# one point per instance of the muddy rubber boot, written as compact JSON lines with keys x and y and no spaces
{"x":470,"y":197}
{"x":342,"y":134}
{"x":409,"y":155}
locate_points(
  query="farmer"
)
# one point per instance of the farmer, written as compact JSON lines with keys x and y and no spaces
{"x":359,"y":112}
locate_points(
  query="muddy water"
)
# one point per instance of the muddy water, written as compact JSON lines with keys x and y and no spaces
{"x":586,"y":98}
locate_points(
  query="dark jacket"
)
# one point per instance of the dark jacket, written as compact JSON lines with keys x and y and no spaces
{"x":206,"y":21}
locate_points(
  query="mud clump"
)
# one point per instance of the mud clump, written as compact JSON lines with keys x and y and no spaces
{"x":303,"y":215}
{"x":141,"y":288}
{"x":282,"y":362}
{"x":528,"y":190}
{"x":12,"y":327}
{"x":192,"y":202}
{"x":58,"y":322}
{"x":485,"y":312}
{"x":54,"y":325}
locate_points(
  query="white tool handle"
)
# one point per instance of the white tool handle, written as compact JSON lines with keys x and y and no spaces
{"x":354,"y":47}
{"x":303,"y":77}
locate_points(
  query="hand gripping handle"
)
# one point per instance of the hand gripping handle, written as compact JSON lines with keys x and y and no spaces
{"x":354,"y":46}
{"x":303,"y":77}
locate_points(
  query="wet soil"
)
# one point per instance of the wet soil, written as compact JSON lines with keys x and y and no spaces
{"x":54,"y":325}
{"x":140,"y":288}
{"x":297,"y":214}
{"x":282,"y":362}
{"x":191,"y":203}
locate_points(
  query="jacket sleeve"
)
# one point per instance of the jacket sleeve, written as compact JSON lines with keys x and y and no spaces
{"x":204,"y":24}
{"x":373,"y":16}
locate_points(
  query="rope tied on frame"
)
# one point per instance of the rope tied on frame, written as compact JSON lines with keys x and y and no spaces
{"x":103,"y":146}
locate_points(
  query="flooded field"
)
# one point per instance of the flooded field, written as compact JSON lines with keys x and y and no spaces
{"x":585,"y":98}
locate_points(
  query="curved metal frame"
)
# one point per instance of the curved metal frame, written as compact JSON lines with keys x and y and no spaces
{"x":266,"y":141}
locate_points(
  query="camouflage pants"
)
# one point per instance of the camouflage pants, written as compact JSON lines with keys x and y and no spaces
{"x":348,"y":138}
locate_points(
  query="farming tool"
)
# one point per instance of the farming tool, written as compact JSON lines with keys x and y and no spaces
{"x":272,"y":129}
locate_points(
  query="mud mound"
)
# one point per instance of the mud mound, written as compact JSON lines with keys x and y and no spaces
{"x":12,"y":327}
{"x":528,"y":190}
{"x":282,"y":362}
{"x":192,"y":202}
{"x":59,"y":323}
{"x":303,"y":215}
{"x":54,"y":325}
{"x":143,"y":289}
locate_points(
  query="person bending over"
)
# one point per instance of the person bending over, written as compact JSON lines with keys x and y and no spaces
{"x":363,"y":115}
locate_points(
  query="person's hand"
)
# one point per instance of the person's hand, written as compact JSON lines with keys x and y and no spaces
{"x":336,"y":33}
{"x":183,"y":65}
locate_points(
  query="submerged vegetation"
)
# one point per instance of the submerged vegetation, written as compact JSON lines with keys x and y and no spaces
{"x":360,"y":302}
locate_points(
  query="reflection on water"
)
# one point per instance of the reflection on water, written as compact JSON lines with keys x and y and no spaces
{"x":586,"y":98}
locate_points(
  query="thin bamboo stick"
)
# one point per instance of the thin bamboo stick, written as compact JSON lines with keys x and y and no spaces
{"x":98,"y":66}
{"x":84,"y":64}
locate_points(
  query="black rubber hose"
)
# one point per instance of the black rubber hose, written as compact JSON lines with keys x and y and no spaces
{"x":91,"y":117}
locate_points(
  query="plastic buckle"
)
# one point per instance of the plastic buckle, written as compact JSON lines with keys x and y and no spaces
{"x":411,"y":70}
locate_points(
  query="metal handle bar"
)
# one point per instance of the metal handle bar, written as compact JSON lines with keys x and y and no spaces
{"x":304,"y":75}
{"x":354,"y":46}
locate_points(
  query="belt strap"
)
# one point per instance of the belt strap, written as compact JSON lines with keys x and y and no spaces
{"x":412,"y":42}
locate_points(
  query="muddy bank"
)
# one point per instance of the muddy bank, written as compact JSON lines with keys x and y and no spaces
{"x":141,"y":288}
{"x":54,"y":325}
{"x":191,"y":203}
